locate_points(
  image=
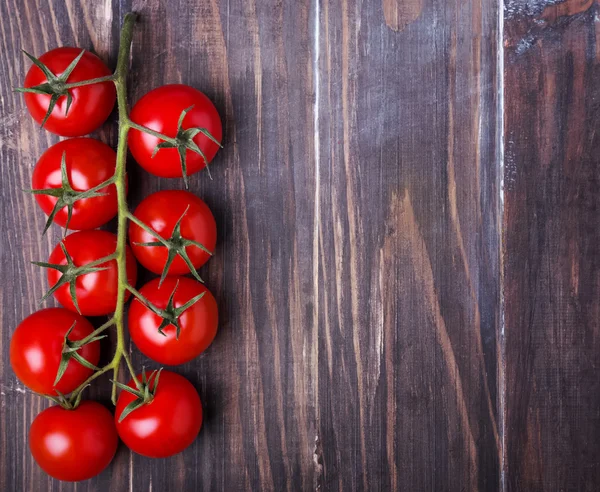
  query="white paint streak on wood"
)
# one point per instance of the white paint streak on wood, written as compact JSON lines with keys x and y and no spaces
{"x":130,"y":471}
{"x":314,"y":363}
{"x":500,"y":145}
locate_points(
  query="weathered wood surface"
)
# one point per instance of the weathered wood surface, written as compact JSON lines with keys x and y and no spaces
{"x":552,"y":246}
{"x":360,"y":267}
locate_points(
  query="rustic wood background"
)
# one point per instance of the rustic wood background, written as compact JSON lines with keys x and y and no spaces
{"x":408,"y":267}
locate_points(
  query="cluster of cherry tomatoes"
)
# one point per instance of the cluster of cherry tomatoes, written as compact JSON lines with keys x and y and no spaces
{"x":172,"y":319}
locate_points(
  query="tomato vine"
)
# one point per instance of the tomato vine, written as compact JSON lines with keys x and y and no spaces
{"x":57,"y":87}
{"x":182,"y":142}
{"x":62,"y":340}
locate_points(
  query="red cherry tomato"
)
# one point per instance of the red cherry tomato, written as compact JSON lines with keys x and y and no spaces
{"x":166,"y":425}
{"x":161,"y":211}
{"x":89,"y":163}
{"x":198,"y":323}
{"x":36,"y":350}
{"x":160,"y":110}
{"x":96,"y":292}
{"x":73,"y":445}
{"x":91,"y":104}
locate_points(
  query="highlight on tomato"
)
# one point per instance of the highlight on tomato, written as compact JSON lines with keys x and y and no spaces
{"x":70,"y":112}
{"x":37,"y":349}
{"x":73,"y":444}
{"x":184,"y":114}
{"x":180,"y":324}
{"x":79,"y":276}
{"x":67,"y":183}
{"x":160,"y":418}
{"x":182,"y":233}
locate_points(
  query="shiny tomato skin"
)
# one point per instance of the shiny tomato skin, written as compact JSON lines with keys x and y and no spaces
{"x":73,"y":445}
{"x":36,"y":349}
{"x":160,"y":110}
{"x":96,"y":292}
{"x":161,"y":211}
{"x":198,"y":323}
{"x":166,"y":425}
{"x":89,"y":163}
{"x":91,"y":105}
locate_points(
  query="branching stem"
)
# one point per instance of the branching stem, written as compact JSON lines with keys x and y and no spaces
{"x":97,"y":331}
{"x":149,"y":131}
{"x":106,"y":78}
{"x":119,"y":78}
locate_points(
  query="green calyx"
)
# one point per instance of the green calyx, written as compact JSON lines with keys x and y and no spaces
{"x":56,"y":86}
{"x":176,"y":246}
{"x":70,"y":272}
{"x":69,"y":351}
{"x":170,"y":314}
{"x":65,"y":402}
{"x":184,"y":141}
{"x":144,"y":393}
{"x":67,"y":196}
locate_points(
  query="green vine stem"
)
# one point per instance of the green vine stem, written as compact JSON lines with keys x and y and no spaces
{"x":120,"y":80}
{"x":121,"y":85}
{"x":149,"y":131}
{"x":99,"y":80}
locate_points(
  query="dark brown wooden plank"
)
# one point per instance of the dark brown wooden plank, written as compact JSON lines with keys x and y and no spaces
{"x":551,"y":255}
{"x":357,"y":267}
{"x":257,"y":380}
{"x":408,"y":243}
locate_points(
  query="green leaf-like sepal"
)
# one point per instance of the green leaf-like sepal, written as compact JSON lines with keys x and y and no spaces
{"x":63,"y":401}
{"x":69,"y":351}
{"x":129,"y":389}
{"x":55,"y":86}
{"x":134,"y":405}
{"x":143,"y":395}
{"x":170,"y":314}
{"x":156,"y":375}
{"x":67,"y":196}
{"x":176,"y":246}
{"x":70,"y":272}
{"x":163,"y":145}
{"x":184,"y":141}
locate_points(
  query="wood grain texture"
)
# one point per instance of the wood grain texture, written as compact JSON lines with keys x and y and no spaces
{"x":408,"y":235}
{"x":551,"y":255}
{"x":399,"y":13}
{"x":359,"y":268}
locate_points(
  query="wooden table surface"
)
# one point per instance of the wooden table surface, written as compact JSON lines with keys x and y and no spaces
{"x":408,"y":264}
